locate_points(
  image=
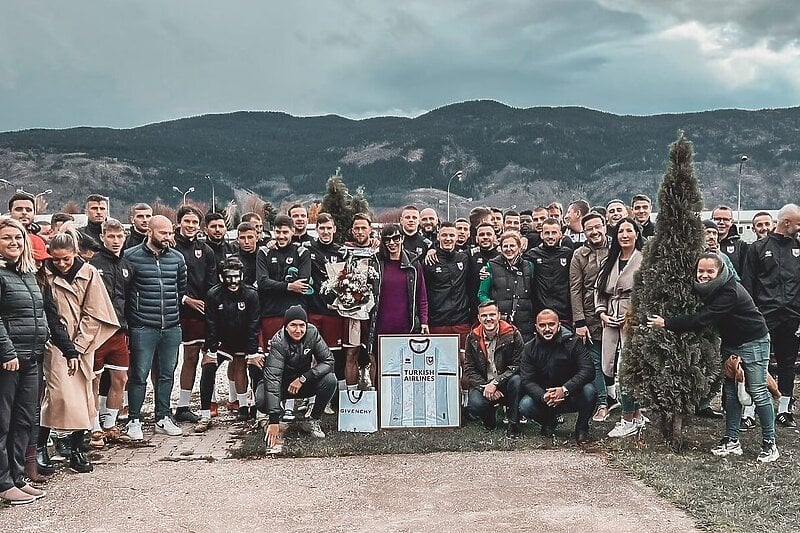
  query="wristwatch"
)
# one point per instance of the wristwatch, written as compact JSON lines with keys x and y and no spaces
{"x":302,"y":379}
{"x":566,"y":391}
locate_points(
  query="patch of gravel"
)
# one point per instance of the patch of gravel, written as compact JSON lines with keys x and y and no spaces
{"x":553,"y":490}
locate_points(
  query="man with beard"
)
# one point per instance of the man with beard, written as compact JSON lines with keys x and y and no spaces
{"x":216,"y":237}
{"x":323,"y":251}
{"x":463,"y":234}
{"x":497,"y":220}
{"x":479,"y":256}
{"x":730,"y":242}
{"x":299,"y":215}
{"x":583,"y":271}
{"x":491,"y":366}
{"x":511,"y":221}
{"x":556,"y":375}
{"x":772,"y":277}
{"x":534,"y":237}
{"x":551,"y":272}
{"x":762,"y":224}
{"x":158,"y":284}
{"x":429,"y":223}
{"x":414,"y":243}
{"x":641,"y":205}
{"x":140,"y":216}
{"x":201,"y":275}
{"x":615,"y":211}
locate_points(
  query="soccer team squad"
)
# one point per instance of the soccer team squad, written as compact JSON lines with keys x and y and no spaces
{"x":537,"y":298}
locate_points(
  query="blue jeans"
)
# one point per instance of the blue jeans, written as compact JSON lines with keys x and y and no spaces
{"x":599,"y":378}
{"x":479,"y":405}
{"x":755,"y":359}
{"x":583,"y":402}
{"x":151,"y":346}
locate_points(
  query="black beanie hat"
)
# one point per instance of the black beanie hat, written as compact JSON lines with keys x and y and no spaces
{"x":295,"y":312}
{"x":709,"y":224}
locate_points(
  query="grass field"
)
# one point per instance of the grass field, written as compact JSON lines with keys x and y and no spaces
{"x":721,"y":494}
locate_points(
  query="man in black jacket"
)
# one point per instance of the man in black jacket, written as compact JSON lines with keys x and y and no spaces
{"x":730,"y":242}
{"x":479,"y":256}
{"x":233,"y":321}
{"x":556,"y":372}
{"x":416,"y":244}
{"x":772,"y":277}
{"x":201,"y":275}
{"x":491,"y":363}
{"x":216,"y":238}
{"x":140,"y":216}
{"x":290,"y":372}
{"x":551,"y":262}
{"x":112,"y":358}
{"x":96,"y":213}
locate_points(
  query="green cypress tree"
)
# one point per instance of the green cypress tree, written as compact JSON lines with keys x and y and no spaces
{"x":671,"y":372}
{"x":336,"y":202}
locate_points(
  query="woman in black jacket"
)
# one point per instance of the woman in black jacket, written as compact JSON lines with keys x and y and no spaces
{"x":741,"y":326}
{"x":23,"y":334}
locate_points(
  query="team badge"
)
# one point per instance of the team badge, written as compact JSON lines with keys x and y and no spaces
{"x":125,"y":273}
{"x":796,"y":252}
{"x":730,"y":249}
{"x":539,"y":260}
{"x":438,"y":270}
{"x":289,"y":260}
{"x":460,"y":265}
{"x":767,"y":254}
{"x":198,"y":253}
{"x":429,"y":360}
{"x":100,"y":271}
{"x":240,"y":305}
{"x":563,"y":261}
{"x":313,"y":255}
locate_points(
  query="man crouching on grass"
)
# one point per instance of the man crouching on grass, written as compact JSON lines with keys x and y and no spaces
{"x":290,"y":372}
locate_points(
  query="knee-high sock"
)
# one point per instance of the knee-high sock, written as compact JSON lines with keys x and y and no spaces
{"x":207,"y":379}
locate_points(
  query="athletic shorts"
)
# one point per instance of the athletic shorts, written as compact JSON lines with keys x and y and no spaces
{"x":269,"y":327}
{"x":113,"y":354}
{"x":228,"y":353}
{"x":193,"y":331}
{"x":355,"y":330}
{"x":331,"y":327}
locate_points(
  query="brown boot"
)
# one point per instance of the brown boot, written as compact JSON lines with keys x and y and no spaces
{"x":31,"y":470}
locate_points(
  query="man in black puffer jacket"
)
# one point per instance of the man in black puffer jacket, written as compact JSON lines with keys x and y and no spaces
{"x":290,"y":372}
{"x":158,"y":285}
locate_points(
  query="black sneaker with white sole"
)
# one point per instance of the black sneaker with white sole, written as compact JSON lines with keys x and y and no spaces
{"x":786,"y":420}
{"x":184,"y":414}
{"x":769,"y":452}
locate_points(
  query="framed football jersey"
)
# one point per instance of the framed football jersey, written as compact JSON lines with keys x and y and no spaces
{"x":419,"y":381}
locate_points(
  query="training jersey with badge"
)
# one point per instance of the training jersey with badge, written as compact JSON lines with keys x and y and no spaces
{"x":275,"y":269}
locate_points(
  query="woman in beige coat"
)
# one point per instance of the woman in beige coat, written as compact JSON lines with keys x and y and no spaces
{"x":83,"y":304}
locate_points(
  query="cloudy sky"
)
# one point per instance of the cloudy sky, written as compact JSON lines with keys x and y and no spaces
{"x":124,"y":63}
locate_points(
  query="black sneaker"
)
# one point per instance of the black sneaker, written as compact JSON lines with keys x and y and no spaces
{"x":183,"y":414}
{"x":769,"y":452}
{"x":747,"y":422}
{"x":786,"y":420}
{"x":708,"y":412}
{"x":513,"y":431}
{"x":243,"y":415}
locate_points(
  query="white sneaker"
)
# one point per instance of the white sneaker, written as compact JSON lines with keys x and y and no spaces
{"x":168,"y":427}
{"x":726,"y":447}
{"x":312,"y":426}
{"x":641,"y":421}
{"x":134,"y":430}
{"x":623,"y":428}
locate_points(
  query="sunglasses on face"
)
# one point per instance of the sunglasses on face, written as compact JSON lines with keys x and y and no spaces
{"x":394,"y":238}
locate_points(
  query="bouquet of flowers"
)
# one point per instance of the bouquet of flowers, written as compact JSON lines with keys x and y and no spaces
{"x":351,"y":283}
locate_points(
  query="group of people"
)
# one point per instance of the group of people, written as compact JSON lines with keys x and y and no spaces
{"x":537,"y":298}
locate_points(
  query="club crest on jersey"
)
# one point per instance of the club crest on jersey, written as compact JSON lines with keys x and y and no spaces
{"x":539,"y":260}
{"x":768,"y":253}
{"x":460,"y":265}
{"x":289,"y":260}
{"x":438,"y":270}
{"x":334,"y":259}
{"x":731,"y":249}
{"x":429,"y":360}
{"x":198,"y":253}
{"x":125,"y":273}
{"x":100,"y":271}
{"x":240,"y":305}
{"x":796,"y":252}
{"x":563,"y":261}
{"x":313,"y":255}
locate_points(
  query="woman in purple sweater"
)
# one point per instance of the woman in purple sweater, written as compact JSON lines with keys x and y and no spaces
{"x":402,"y":303}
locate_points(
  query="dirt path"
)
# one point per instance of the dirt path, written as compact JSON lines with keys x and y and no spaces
{"x":530,"y":491}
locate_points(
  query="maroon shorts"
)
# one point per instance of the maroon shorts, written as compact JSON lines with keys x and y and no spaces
{"x":347,"y":342}
{"x":331,"y":327}
{"x":462,"y":330}
{"x":193,"y":331}
{"x":113,"y":354}
{"x":269,"y":327}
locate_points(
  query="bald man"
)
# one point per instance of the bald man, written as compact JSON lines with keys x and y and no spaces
{"x":157,"y":287}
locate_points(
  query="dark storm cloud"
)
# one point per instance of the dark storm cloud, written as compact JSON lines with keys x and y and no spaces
{"x":123,"y":63}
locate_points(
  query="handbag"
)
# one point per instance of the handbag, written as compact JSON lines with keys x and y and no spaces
{"x":358,"y":411}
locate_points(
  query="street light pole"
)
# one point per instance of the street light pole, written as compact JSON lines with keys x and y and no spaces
{"x":458,"y":174}
{"x":213,"y":196}
{"x":190,"y":189}
{"x":742,"y":161}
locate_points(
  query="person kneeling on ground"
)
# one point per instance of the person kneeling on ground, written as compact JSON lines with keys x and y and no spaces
{"x":290,"y":372}
{"x":491,"y":365}
{"x":557,"y":374}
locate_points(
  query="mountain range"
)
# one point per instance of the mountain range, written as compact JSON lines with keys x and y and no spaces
{"x":508,"y":156}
